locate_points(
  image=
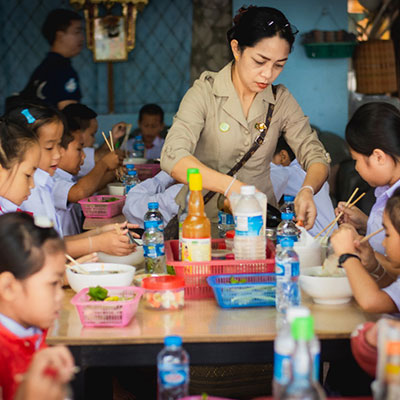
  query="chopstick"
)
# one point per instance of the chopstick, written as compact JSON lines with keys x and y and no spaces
{"x":111,"y":140}
{"x":371,"y":234}
{"x":73,"y":261}
{"x":105,"y":139}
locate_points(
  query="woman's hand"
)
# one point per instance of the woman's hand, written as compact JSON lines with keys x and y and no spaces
{"x":305,"y":208}
{"x":342,"y":240}
{"x":353,"y":216}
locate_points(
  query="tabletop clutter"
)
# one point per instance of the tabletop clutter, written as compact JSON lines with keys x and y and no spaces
{"x":250,"y":265}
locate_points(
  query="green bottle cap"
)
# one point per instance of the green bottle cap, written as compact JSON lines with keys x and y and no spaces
{"x":191,"y":171}
{"x":303,"y":328}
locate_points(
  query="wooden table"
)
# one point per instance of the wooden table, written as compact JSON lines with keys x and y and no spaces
{"x":211,"y":335}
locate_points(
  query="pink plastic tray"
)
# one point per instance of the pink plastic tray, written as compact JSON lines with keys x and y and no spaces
{"x":96,"y":207}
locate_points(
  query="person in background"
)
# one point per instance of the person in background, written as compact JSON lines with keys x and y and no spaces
{"x":151,"y":125}
{"x":85,"y":118}
{"x":284,"y":159}
{"x":32,"y":266}
{"x":55,"y":80}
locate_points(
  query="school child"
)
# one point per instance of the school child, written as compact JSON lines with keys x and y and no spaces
{"x":374,"y":141}
{"x":85,"y":118}
{"x":19,"y":158}
{"x":151,"y":125}
{"x":49,"y":125}
{"x":284,"y":159}
{"x":32,"y":265}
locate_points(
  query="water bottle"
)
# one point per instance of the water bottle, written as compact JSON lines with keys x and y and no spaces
{"x":138,"y":147}
{"x":226,"y":223}
{"x":153,"y":214}
{"x":249,"y":241}
{"x":172,"y":370}
{"x":288,"y":204}
{"x":302,"y":385}
{"x":153,"y":248}
{"x":287,"y":228}
{"x":284,"y":348}
{"x":287,"y":269}
{"x":131,"y":180}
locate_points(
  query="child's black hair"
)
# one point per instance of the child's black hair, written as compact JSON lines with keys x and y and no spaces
{"x":282,"y":145}
{"x":80,"y":114}
{"x":15,"y":140}
{"x":375,"y":126}
{"x":151,"y":109}
{"x":58,"y":20}
{"x":23,"y":245}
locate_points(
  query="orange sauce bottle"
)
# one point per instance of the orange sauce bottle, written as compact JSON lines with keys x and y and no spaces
{"x":196,"y":229}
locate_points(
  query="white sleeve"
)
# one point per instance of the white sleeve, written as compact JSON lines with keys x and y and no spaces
{"x":393,"y":291}
{"x":279,"y":178}
{"x":60,"y":193}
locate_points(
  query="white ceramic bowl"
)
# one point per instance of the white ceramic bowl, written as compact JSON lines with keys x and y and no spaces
{"x":124,"y":277}
{"x":116,"y":189}
{"x":135,"y":160}
{"x":135,"y":258}
{"x":325,"y":289}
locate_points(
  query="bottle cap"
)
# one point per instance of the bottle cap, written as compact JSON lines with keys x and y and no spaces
{"x":163,"y":282}
{"x":286,"y":242}
{"x":287,"y":197}
{"x":173,"y":341}
{"x":287,"y":216}
{"x":153,"y":204}
{"x":303,"y":328}
{"x":132,"y":172}
{"x":248,"y":190}
{"x":130,"y":166}
{"x":138,"y":137}
{"x":296,"y":312}
{"x":191,"y":171}
{"x":195,"y":182}
{"x":230,"y":234}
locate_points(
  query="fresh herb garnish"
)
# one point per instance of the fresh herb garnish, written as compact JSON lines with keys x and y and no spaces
{"x":97,"y":293}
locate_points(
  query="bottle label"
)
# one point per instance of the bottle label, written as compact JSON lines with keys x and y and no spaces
{"x":129,"y":187}
{"x":196,"y":249}
{"x":287,"y":269}
{"x":160,"y":226}
{"x":225,"y":218}
{"x":153,"y":250}
{"x":248,"y":225}
{"x":172,"y":376}
{"x":316,"y":367}
{"x":282,"y":368}
{"x":279,"y":238}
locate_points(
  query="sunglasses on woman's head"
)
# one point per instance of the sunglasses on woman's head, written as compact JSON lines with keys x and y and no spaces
{"x":285,"y":27}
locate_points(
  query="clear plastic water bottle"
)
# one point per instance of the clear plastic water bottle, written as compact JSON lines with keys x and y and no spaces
{"x":138,"y":147}
{"x":287,"y":228}
{"x":172,"y":370}
{"x":153,"y":214}
{"x":302,"y":386}
{"x":284,"y":348}
{"x":226,"y":223}
{"x":249,"y":241}
{"x":131,"y":180}
{"x":153,"y":247}
{"x":288,"y":205}
{"x":129,"y":167}
{"x":287,"y":269}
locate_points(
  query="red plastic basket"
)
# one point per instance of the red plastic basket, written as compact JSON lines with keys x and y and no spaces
{"x":196,"y":273}
{"x":146,"y":171}
{"x":96,"y":207}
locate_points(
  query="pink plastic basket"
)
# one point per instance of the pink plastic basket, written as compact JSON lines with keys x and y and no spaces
{"x":97,"y":207}
{"x":147,"y":170}
{"x":196,"y":273}
{"x":108,"y":313}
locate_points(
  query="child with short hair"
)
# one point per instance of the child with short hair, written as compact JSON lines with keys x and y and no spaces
{"x":32,"y":265}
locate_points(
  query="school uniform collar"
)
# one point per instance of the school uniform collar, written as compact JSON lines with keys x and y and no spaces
{"x":17,"y":329}
{"x":43,"y":179}
{"x":386,"y":191}
{"x":7,"y":206}
{"x":64,"y":175}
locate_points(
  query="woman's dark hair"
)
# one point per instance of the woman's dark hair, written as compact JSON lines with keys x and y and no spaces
{"x":58,"y":20}
{"x":252,"y":24}
{"x":80,"y":114}
{"x":23,"y":245}
{"x":392,"y":209}
{"x":375,"y":126}
{"x":15,"y":140}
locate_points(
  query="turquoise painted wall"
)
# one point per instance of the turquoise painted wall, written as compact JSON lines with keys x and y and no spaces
{"x":319,"y":85}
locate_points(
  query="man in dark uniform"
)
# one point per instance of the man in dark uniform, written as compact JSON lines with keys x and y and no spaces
{"x":55,"y":81}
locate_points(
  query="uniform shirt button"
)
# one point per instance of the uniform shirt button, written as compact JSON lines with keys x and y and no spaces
{"x":171,"y":156}
{"x":238,"y":159}
{"x":246,"y":132}
{"x":246,"y":143}
{"x":241,"y":154}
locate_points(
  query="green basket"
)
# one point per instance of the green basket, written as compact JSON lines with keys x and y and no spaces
{"x":330,"y":50}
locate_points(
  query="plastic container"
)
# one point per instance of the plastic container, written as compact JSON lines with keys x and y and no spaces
{"x":243,"y":290}
{"x":131,"y":180}
{"x":99,"y":207}
{"x":138,"y":147}
{"x":288,"y":205}
{"x":153,"y":247}
{"x":164,"y":292}
{"x":153,"y":214}
{"x":116,"y":189}
{"x":108,"y":313}
{"x":287,"y":228}
{"x":196,"y":273}
{"x":226,"y":222}
{"x":229,"y":236}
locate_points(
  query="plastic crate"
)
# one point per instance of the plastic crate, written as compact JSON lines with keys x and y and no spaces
{"x":146,"y":171}
{"x":108,"y":313}
{"x":96,"y":207}
{"x":196,"y":273}
{"x":257,"y":290}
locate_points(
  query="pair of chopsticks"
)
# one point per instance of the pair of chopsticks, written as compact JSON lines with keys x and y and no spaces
{"x":331,"y":225}
{"x":79,"y":267}
{"x":111,"y":143}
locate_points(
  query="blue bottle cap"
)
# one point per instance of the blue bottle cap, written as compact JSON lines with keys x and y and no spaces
{"x":132,"y":172}
{"x":286,"y":242}
{"x":153,"y":204}
{"x":173,"y":341}
{"x":139,"y":137}
{"x":287,"y":216}
{"x":287,"y":197}
{"x":130,"y":166}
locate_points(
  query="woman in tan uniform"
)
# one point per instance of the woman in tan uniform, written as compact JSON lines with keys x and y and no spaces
{"x":215,"y":124}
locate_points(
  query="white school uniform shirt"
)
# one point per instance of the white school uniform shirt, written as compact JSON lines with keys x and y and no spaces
{"x":323,"y":202}
{"x":41,"y":201}
{"x":152,"y":153}
{"x":162,"y":189}
{"x":89,"y":162}
{"x":6,"y":206}
{"x":69,"y":214}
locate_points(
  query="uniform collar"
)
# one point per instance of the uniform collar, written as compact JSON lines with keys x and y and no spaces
{"x":60,"y":173}
{"x":17,"y":329}
{"x":7,"y":206}
{"x":387,"y":190}
{"x":43,"y":178}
